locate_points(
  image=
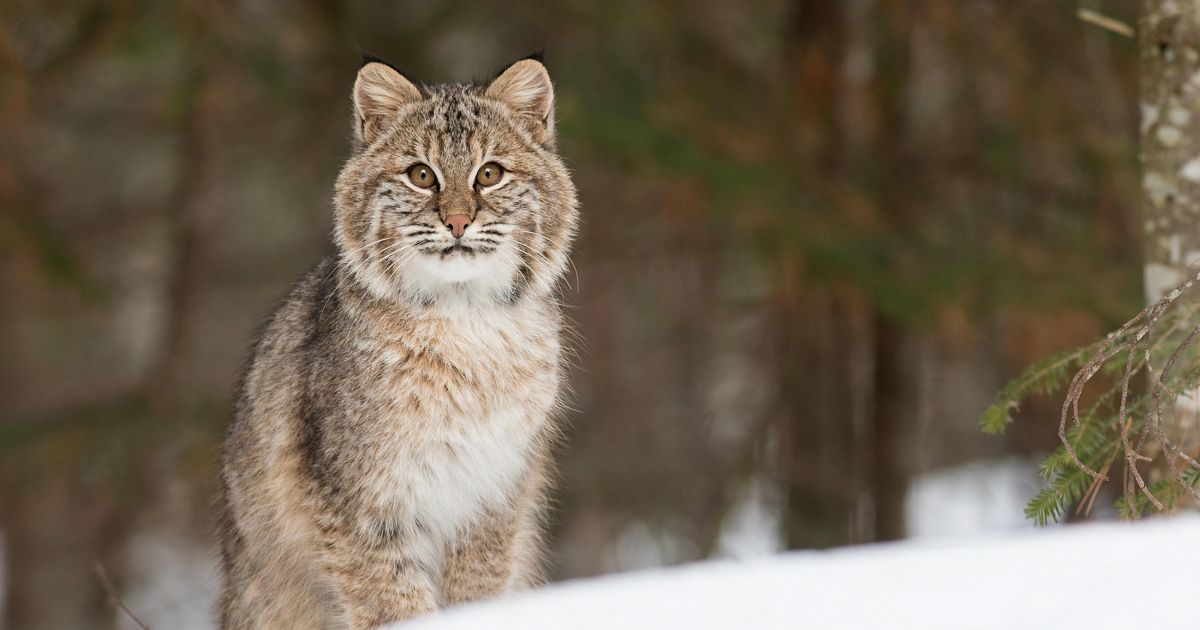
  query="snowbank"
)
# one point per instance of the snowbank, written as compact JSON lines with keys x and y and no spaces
{"x":1090,"y":577}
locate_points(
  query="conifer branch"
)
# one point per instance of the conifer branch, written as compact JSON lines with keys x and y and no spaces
{"x":1126,"y":422}
{"x":1115,"y":344}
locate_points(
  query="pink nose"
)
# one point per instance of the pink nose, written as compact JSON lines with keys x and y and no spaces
{"x":458,"y":224}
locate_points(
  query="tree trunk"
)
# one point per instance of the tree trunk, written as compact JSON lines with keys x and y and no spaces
{"x":1170,"y":105}
{"x":892,"y":424}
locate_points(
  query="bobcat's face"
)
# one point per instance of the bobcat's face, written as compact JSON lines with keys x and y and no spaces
{"x":455,"y":191}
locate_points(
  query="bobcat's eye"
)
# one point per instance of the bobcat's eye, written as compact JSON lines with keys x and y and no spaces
{"x":489,"y":174}
{"x":421,"y":176}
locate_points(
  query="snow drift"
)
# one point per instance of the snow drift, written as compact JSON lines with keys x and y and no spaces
{"x":1113,"y":575}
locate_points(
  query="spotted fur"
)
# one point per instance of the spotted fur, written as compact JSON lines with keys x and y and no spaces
{"x":389,"y":452}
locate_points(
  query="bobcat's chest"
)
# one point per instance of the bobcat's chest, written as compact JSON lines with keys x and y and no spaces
{"x":458,"y":423}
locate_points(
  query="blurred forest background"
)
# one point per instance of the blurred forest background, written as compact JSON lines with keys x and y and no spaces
{"x":818,"y":237}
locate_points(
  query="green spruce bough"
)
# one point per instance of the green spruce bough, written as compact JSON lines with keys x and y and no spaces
{"x":1135,"y":424}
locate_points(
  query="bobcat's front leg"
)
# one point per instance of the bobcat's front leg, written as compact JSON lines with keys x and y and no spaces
{"x":499,"y":554}
{"x":379,"y":580}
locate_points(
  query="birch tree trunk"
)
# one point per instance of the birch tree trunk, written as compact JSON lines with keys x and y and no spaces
{"x":1169,"y":45}
{"x":1170,"y":140}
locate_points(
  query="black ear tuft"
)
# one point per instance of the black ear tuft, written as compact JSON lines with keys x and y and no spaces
{"x":538,"y":56}
{"x":370,"y":58}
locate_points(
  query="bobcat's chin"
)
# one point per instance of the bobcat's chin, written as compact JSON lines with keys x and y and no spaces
{"x":461,"y":267}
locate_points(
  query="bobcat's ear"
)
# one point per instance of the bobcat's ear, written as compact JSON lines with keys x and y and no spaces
{"x":525,"y":88}
{"x":379,"y":93}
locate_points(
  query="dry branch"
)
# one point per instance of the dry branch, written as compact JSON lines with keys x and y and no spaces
{"x":1136,"y":338}
{"x":114,"y":598}
{"x":1105,"y":22}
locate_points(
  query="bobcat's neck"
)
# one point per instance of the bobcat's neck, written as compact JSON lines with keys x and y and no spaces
{"x":364,"y":297}
{"x":464,"y":322}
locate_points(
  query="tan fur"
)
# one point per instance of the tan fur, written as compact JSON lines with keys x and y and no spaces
{"x":390,"y":450}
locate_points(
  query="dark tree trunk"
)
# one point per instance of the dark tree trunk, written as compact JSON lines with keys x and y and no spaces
{"x":892,"y":423}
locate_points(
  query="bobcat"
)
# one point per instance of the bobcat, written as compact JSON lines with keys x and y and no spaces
{"x":390,"y":448}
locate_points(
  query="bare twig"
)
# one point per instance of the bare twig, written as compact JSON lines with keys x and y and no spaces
{"x":1135,"y":337}
{"x":1089,"y":497}
{"x":114,"y":598}
{"x":1103,"y":21}
{"x":1168,"y":446}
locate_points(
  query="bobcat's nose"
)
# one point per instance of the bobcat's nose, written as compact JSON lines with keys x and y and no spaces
{"x":458,"y":224}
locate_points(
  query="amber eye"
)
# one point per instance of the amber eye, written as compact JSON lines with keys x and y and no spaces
{"x":421,"y":176}
{"x":489,"y":174}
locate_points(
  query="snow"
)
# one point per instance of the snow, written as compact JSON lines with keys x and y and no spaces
{"x":1113,"y":575}
{"x":173,"y":581}
{"x":972,"y":498}
{"x":753,"y":528}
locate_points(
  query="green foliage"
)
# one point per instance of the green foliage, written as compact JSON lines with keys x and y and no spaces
{"x":1167,"y":491}
{"x":1066,"y":482}
{"x":1044,"y":377}
{"x":1096,"y":438}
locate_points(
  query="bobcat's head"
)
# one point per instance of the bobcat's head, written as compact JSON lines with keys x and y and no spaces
{"x":454,"y":191}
